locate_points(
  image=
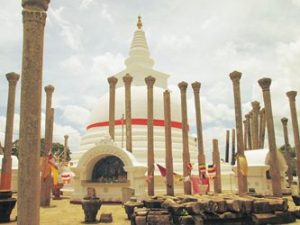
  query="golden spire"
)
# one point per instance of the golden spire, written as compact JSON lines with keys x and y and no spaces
{"x":139,"y":23}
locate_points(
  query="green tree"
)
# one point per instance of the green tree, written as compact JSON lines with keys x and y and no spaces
{"x":57,"y":150}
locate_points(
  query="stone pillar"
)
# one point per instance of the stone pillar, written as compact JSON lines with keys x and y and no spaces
{"x":245,"y":134}
{"x":34,"y":19}
{"x":185,"y":137}
{"x":227,"y":147}
{"x":150,"y":157}
{"x":232,"y":146}
{"x":127,"y":82}
{"x":66,"y":149}
{"x":255,"y":112}
{"x":248,"y":131}
{"x":46,"y":178}
{"x":251,"y":129}
{"x":112,"y":96}
{"x":262,"y":128}
{"x":275,"y":173}
{"x":292,"y":100}
{"x":286,"y":151}
{"x":6,"y":172}
{"x":201,"y":156}
{"x":168,"y":144}
{"x":216,"y":162}
{"x":242,"y":178}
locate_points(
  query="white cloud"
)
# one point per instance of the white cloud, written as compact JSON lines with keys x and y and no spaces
{"x":72,"y":33}
{"x":173,"y":42}
{"x":107,"y":64}
{"x":105,"y":13}
{"x":85,"y":4}
{"x":76,"y":114}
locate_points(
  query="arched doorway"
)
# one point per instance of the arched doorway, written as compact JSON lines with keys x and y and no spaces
{"x":109,"y":170}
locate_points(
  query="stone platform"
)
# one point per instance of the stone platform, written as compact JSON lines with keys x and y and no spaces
{"x":214,"y":209}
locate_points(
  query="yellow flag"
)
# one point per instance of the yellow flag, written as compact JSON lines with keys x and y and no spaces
{"x":54,"y":172}
{"x":243,"y":165}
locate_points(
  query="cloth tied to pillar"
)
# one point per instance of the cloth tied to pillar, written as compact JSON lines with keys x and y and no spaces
{"x":243,"y":164}
{"x":163,"y":173}
{"x":211,"y":171}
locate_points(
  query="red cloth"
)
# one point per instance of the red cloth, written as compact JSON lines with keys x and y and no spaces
{"x":162,"y":170}
{"x":195,"y":185}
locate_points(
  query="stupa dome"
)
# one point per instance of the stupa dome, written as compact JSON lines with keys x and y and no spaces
{"x":139,"y":65}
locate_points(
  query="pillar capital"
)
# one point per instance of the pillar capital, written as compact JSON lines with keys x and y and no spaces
{"x":127,"y":79}
{"x":112,"y":81}
{"x":150,"y":81}
{"x":49,"y":89}
{"x":284,"y":121}
{"x":235,"y":76}
{"x":12,"y":78}
{"x":247,"y":116}
{"x":196,"y":86}
{"x":292,"y":95}
{"x":183,"y":86}
{"x":255,"y":106}
{"x":66,"y":136}
{"x":35,"y":4}
{"x":36,"y":16}
{"x":262,"y":110}
{"x":265,"y":83}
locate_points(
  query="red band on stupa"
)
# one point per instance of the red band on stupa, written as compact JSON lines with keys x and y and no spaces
{"x":136,"y":121}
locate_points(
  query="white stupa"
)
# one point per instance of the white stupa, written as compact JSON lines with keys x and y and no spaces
{"x":139,"y":65}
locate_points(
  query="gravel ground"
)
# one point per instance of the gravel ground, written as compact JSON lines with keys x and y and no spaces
{"x":61,"y":212}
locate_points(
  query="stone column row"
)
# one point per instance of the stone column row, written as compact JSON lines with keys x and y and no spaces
{"x":284,"y":122}
{"x":46,"y":178}
{"x":168,"y":144}
{"x":275,"y":173}
{"x":150,"y":135}
{"x":292,"y":101}
{"x":242,"y":178}
{"x":201,"y":155}
{"x":6,"y":170}
{"x":34,"y":19}
{"x":185,"y":138}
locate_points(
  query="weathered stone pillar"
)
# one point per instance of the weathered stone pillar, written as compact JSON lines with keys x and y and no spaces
{"x":251,"y":128}
{"x":245,"y":134}
{"x":112,"y":97}
{"x":275,"y":174}
{"x":232,"y":146}
{"x":66,"y":149}
{"x":185,"y":137}
{"x":292,"y":100}
{"x":242,"y":178}
{"x":168,"y":144}
{"x":127,"y":82}
{"x":262,"y":128}
{"x":255,"y":112}
{"x":46,"y":178}
{"x":34,"y":19}
{"x":7,"y":160}
{"x":216,"y":162}
{"x":150,"y":157}
{"x":286,"y":151}
{"x":201,"y":156}
{"x":227,"y":146}
{"x":248,"y":131}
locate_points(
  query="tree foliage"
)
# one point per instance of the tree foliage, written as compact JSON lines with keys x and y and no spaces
{"x":57,"y":150}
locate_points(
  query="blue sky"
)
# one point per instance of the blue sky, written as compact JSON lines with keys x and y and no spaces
{"x":88,"y":40}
